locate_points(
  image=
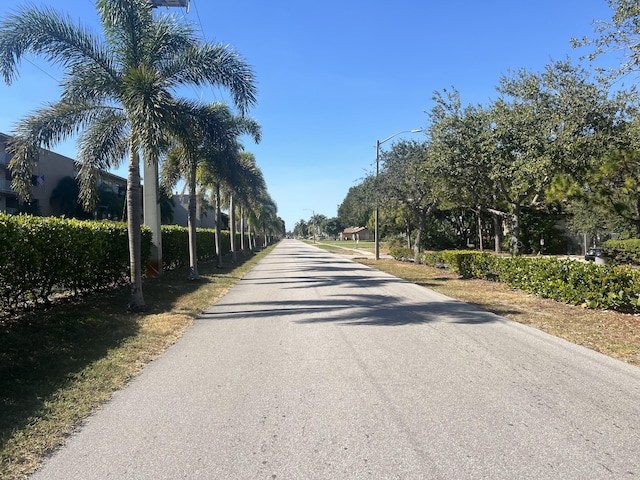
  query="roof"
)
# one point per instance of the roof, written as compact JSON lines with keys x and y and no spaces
{"x":354,"y":229}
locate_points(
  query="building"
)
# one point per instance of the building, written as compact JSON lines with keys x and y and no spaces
{"x":47,"y":173}
{"x":205,"y":217}
{"x":356,"y":233}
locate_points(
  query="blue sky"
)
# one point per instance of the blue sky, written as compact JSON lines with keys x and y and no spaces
{"x":335,"y":76}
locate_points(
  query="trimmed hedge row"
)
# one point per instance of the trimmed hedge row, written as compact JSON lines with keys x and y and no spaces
{"x":40,"y":256}
{"x":579,"y":283}
{"x":622,"y":252}
{"x":175,"y":245}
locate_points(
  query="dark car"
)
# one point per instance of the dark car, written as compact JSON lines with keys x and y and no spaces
{"x":592,"y":253}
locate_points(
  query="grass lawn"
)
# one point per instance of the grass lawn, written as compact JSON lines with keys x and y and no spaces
{"x":59,"y":365}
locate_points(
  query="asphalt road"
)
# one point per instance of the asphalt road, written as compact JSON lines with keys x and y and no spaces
{"x":316,"y":367}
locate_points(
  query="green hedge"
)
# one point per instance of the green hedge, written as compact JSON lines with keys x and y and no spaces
{"x":175,"y":245}
{"x":579,"y":283}
{"x":621,"y":252}
{"x":40,"y":256}
{"x":401,"y":253}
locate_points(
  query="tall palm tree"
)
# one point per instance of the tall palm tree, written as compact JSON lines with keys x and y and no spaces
{"x":246,"y":182}
{"x":253,"y":188}
{"x":118,"y":91}
{"x":210,"y":143}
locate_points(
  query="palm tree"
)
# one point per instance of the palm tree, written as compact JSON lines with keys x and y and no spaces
{"x":209,"y":143}
{"x":118,"y":91}
{"x":253,"y":189}
{"x":246,"y":183}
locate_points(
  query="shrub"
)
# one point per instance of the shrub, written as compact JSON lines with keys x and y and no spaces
{"x":401,"y":253}
{"x":623,"y":251}
{"x":42,"y":256}
{"x":578,"y":283}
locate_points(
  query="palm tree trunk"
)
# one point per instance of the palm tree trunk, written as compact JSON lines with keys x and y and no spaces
{"x":134,"y":210}
{"x":232,"y":228}
{"x":242,"y":239}
{"x":218,"y":226}
{"x":193,"y":252}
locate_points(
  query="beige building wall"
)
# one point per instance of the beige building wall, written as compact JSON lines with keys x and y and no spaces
{"x":50,"y":168}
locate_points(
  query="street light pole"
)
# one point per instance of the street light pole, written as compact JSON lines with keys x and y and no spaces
{"x":378,"y":143}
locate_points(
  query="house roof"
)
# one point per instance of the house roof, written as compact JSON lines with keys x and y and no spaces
{"x":354,"y":229}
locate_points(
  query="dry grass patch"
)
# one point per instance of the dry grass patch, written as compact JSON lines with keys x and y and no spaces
{"x":612,"y":333}
{"x":58,"y":366}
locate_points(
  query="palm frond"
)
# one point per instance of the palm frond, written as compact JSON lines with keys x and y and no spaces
{"x":43,"y":31}
{"x":217,"y":65}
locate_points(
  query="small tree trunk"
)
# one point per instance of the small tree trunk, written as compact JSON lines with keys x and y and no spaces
{"x":479,"y":214}
{"x":134,"y":210}
{"x":515,"y":244}
{"x":418,"y":240}
{"x":497,"y":233}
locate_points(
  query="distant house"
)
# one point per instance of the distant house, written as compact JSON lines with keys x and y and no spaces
{"x":356,"y":233}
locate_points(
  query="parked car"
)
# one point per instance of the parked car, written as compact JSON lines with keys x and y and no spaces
{"x":592,"y":253}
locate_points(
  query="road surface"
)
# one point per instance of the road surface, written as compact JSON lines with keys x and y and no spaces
{"x":316,"y":367}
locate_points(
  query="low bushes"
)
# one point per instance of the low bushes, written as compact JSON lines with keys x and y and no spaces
{"x":623,"y":251}
{"x":175,"y":245}
{"x":401,"y":253}
{"x":579,"y":283}
{"x":40,"y":256}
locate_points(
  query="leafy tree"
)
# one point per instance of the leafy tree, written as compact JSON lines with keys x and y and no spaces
{"x":621,"y":34}
{"x":411,"y":177}
{"x":117,"y":90}
{"x":359,"y":204}
{"x":332,"y":226}
{"x":617,"y":184}
{"x":65,"y":197}
{"x":300,"y":228}
{"x":463,"y":140}
{"x":545,"y":125}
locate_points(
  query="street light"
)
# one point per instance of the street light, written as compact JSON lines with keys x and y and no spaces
{"x":378,"y":143}
{"x":150,"y":202}
{"x":313,"y":212}
{"x":169,"y":3}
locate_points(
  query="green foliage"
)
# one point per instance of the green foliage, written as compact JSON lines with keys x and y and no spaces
{"x":594,"y":286}
{"x":359,"y":204}
{"x":565,"y":280}
{"x":40,"y":257}
{"x":623,"y":251}
{"x":401,"y":253}
{"x":467,"y":264}
{"x":175,"y":245}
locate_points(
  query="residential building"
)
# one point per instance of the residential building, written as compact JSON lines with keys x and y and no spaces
{"x":50,"y":168}
{"x":356,"y":233}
